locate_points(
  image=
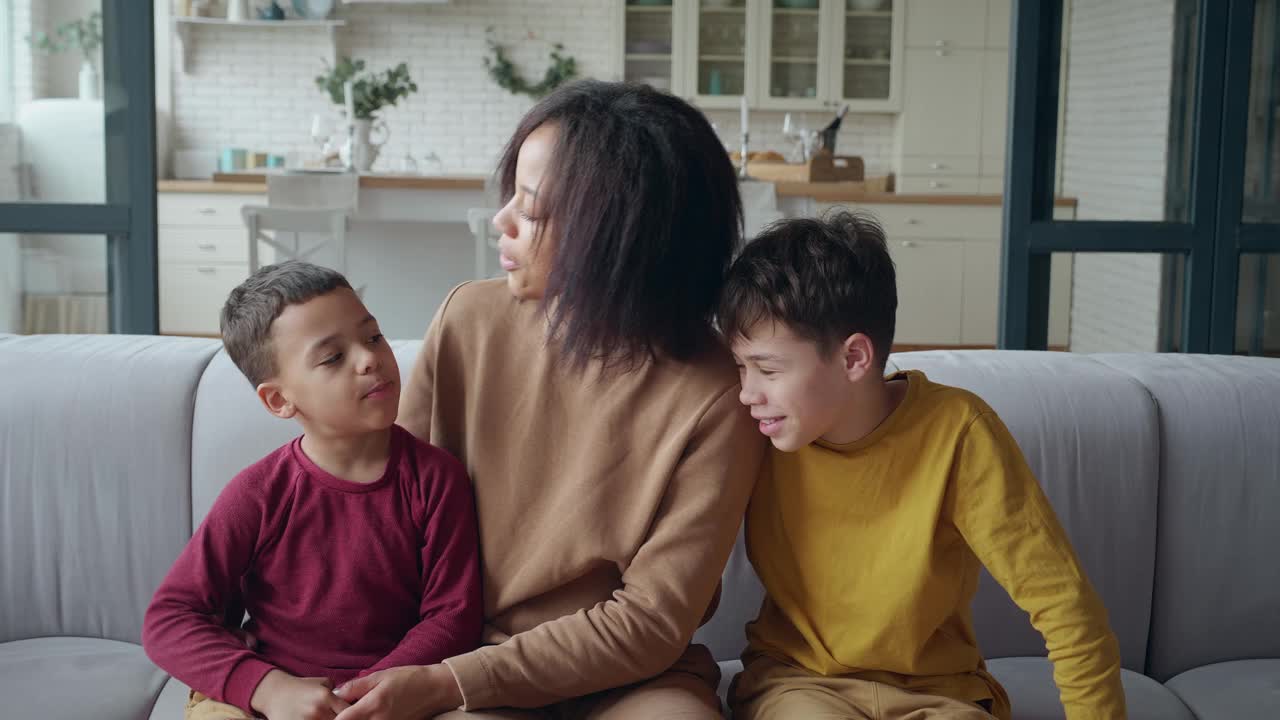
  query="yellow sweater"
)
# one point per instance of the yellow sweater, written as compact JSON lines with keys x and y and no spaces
{"x":870,"y":555}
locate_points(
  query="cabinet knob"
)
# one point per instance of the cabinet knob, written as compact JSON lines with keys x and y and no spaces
{"x":208,"y":211}
{"x":935,"y":184}
{"x":207,"y":246}
{"x":941,"y":53}
{"x":206,"y":270}
{"x":941,"y":43}
{"x":909,"y":243}
{"x":936,"y":166}
{"x":913,"y":221}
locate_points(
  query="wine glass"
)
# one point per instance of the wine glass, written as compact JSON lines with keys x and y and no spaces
{"x":795,"y":128}
{"x":322,"y":133}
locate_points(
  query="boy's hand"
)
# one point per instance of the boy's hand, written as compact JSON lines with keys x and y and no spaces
{"x":281,"y":696}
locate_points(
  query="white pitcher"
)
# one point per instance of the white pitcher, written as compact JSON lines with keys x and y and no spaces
{"x":366,"y":149}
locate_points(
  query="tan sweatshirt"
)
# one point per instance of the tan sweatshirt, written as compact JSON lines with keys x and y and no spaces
{"x":607,"y":507}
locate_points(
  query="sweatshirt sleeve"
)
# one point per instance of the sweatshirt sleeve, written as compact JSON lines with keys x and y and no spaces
{"x":451,"y":614}
{"x":184,"y":631}
{"x":1006,"y":519}
{"x":667,"y":587}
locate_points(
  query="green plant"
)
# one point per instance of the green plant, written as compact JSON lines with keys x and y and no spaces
{"x":371,"y":91}
{"x":562,"y":69}
{"x":84,"y":34}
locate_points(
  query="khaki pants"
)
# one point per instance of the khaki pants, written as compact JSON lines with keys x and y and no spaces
{"x":770,"y":690}
{"x":202,"y":707}
{"x":687,"y":691}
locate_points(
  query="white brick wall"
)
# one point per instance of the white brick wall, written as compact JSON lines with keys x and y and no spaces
{"x":253,"y":88}
{"x":1117,"y":124}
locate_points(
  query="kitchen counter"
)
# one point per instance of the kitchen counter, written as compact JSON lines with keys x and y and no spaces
{"x":853,"y":193}
{"x":256,"y":184}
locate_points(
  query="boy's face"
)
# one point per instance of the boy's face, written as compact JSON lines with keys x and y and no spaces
{"x":795,"y":393}
{"x":335,"y":371}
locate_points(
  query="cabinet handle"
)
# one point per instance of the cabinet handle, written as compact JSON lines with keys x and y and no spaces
{"x":941,"y":43}
{"x":207,"y":211}
{"x":913,"y":221}
{"x":909,"y":243}
{"x":205,"y":269}
{"x":941,"y":53}
{"x":936,"y":166}
{"x":207,"y":246}
{"x":935,"y":184}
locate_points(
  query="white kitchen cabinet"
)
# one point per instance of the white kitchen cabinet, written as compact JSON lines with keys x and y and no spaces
{"x":651,"y":45}
{"x":779,"y":54}
{"x":955,"y":95}
{"x":942,"y":103}
{"x":961,"y":185}
{"x":203,"y":253}
{"x":999,"y":25}
{"x":946,"y":24}
{"x":948,"y":272}
{"x":995,"y":109}
{"x":720,"y":43}
{"x":930,"y":290}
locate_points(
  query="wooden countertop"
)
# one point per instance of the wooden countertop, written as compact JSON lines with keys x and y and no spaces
{"x":853,"y":193}
{"x":256,"y":184}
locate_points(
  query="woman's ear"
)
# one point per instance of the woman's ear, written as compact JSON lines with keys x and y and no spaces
{"x":859,"y":355}
{"x":273,"y":399}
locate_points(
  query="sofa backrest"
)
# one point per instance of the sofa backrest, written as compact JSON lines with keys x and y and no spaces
{"x":1217,"y":582}
{"x":1089,"y":432}
{"x":95,"y":465}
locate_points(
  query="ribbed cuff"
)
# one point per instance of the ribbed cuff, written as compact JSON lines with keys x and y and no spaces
{"x":243,"y":681}
{"x":472,"y":675}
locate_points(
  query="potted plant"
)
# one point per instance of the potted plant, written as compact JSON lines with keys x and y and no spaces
{"x":85,"y":35}
{"x":364,"y":94}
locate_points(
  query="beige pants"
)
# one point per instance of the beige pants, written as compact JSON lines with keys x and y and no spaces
{"x":685,"y":692}
{"x":770,"y":690}
{"x":202,"y":707}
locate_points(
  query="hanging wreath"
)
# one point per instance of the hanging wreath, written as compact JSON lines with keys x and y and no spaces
{"x":562,"y":69}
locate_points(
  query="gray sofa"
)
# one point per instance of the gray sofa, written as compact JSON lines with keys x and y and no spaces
{"x":1164,"y":469}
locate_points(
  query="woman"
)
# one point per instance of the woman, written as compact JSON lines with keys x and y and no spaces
{"x":598,"y":417}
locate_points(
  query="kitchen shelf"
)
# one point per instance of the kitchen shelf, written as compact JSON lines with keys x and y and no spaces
{"x":722,"y":10}
{"x":721,"y":58}
{"x":649,"y":56}
{"x":789,"y":60}
{"x":867,"y":61}
{"x":870,"y":13}
{"x":796,"y":11}
{"x":185,"y":26}
{"x":649,"y":9}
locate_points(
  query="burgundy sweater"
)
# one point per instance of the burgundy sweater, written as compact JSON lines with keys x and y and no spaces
{"x":339,"y":578}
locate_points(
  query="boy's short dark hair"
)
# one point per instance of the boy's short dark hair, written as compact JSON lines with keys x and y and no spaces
{"x":826,"y":279}
{"x":255,"y":304}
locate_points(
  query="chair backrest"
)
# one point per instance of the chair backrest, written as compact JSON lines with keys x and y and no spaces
{"x":485,"y":237}
{"x":313,"y":190}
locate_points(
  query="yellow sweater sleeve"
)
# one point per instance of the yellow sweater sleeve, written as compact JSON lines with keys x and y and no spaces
{"x":1005,"y":518}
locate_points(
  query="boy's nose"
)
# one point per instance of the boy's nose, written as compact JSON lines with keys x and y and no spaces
{"x":748,"y":396}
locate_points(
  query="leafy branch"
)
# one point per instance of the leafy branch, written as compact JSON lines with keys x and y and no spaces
{"x":562,"y":69}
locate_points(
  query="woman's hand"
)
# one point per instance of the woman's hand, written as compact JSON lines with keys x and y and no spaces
{"x":402,"y":693}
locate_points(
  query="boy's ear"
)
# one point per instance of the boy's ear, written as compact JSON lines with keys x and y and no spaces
{"x":859,"y":355}
{"x":273,"y":399}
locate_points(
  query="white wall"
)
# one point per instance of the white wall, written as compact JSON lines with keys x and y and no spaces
{"x":1117,"y":125}
{"x":10,"y":258}
{"x":253,"y":88}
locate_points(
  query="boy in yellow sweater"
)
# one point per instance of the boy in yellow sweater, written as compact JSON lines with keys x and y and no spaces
{"x":878,"y":504}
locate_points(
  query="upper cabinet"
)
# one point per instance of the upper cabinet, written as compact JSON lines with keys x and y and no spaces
{"x":779,"y":54}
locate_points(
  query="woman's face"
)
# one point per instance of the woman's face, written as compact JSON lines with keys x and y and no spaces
{"x":525,"y":257}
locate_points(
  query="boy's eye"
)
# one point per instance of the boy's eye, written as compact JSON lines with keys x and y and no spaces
{"x":767,"y":373}
{"x":332,"y":359}
{"x":375,"y":339}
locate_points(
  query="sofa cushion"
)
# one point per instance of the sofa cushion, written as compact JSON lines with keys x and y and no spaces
{"x":1231,"y":690}
{"x":72,"y":678}
{"x":172,"y":703}
{"x":1217,"y":586}
{"x":1029,"y":681}
{"x":95,"y":468}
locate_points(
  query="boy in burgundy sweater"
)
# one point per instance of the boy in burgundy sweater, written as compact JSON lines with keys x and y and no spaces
{"x":353,"y":548}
